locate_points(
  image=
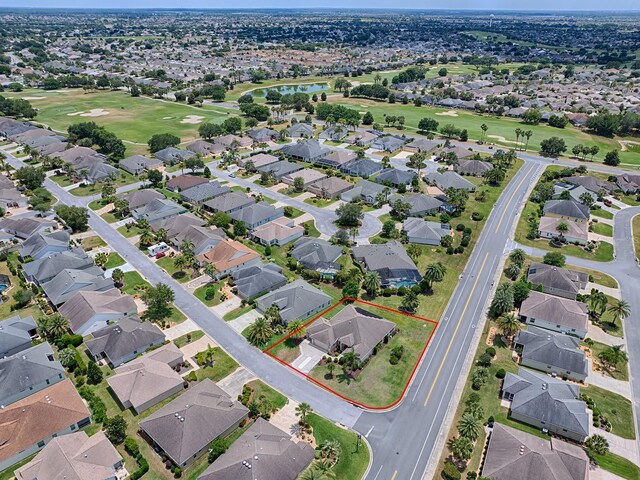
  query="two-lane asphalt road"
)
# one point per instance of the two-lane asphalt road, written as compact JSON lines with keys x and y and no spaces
{"x":404,"y":439}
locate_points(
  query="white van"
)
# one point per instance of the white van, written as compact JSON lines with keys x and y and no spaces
{"x":158,"y":248}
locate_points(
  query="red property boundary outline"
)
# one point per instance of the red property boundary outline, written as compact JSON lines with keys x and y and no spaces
{"x":322,"y":385}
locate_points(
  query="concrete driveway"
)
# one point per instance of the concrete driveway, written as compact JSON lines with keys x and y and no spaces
{"x":233,"y":383}
{"x":242,"y":322}
{"x":309,"y":357}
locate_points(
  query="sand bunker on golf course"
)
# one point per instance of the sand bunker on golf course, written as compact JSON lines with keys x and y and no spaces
{"x":96,"y":112}
{"x":34,"y":98}
{"x":192,"y":119}
{"x":500,"y":138}
{"x":450,"y":113}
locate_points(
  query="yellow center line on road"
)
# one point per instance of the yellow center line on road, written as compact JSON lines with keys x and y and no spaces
{"x":508,"y":202}
{"x":394,"y":475}
{"x":455,"y":332}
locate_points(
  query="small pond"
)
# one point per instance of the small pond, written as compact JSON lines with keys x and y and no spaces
{"x":284,"y":89}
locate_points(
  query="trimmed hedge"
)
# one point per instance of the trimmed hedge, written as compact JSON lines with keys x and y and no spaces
{"x":131,"y":446}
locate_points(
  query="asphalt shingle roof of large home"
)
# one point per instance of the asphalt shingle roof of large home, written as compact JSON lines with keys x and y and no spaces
{"x":193,"y":420}
{"x":386,"y":259}
{"x":26,"y":226}
{"x":395,"y":176}
{"x":552,"y":348}
{"x":138,"y":198}
{"x":202,"y":238}
{"x":23,"y":370}
{"x":75,"y":456}
{"x":575,"y":230}
{"x":547,"y":399}
{"x":65,"y":284}
{"x":365,"y":188}
{"x":295,"y":299}
{"x":143,"y":380}
{"x":420,"y":204}
{"x":353,"y":328}
{"x":182,"y":182}
{"x":316,"y":254}
{"x":516,"y":454}
{"x":158,"y":209}
{"x":175,"y":225}
{"x":281,"y":168}
{"x":567,"y":208}
{"x":229,"y":201}
{"x":39,"y":241}
{"x":308,"y":175}
{"x":556,"y":277}
{"x":449,"y":179}
{"x":300,"y":128}
{"x":257,"y":279}
{"x":417,"y":228}
{"x":473,"y":167}
{"x":362,"y":167}
{"x":14,"y":333}
{"x":124,"y":337}
{"x":260,"y":160}
{"x":203,"y":192}
{"x":138,"y":162}
{"x":329,"y":187}
{"x":270,"y":452}
{"x":173,"y":155}
{"x":562,"y":311}
{"x":338,"y":158}
{"x":38,"y":416}
{"x":228,"y":254}
{"x":257,"y":214}
{"x":278,"y":230}
{"x":48,"y":267}
{"x":307,"y":149}
{"x":592,"y":184}
{"x":84,"y":304}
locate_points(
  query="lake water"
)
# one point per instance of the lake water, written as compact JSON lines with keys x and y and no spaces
{"x":284,"y":89}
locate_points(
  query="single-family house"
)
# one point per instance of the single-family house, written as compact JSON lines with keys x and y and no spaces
{"x":203,"y":192}
{"x":16,"y":334}
{"x":75,"y":456}
{"x":556,"y":280}
{"x":124,"y":340}
{"x":69,"y":281}
{"x":591,"y":183}
{"x":576,"y":232}
{"x":23,"y":227}
{"x":278,"y":232}
{"x":255,"y":280}
{"x":552,"y":352}
{"x":420,"y":204}
{"x":229,"y":202}
{"x":368,"y":192}
{"x":296,"y":300}
{"x":44,"y":269}
{"x":88,"y":311}
{"x":628,"y":182}
{"x":174,"y":226}
{"x":158,"y":209}
{"x":183,"y":182}
{"x":513,"y":454}
{"x":279,"y":169}
{"x":148,"y":380}
{"x":308,"y":175}
{"x":361,"y":139}
{"x":259,"y":160}
{"x":300,"y":130}
{"x":44,"y":244}
{"x":201,"y":238}
{"x":547,"y":403}
{"x":317,"y":254}
{"x":263,"y":135}
{"x":391,"y":262}
{"x":264,"y":452}
{"x":449,"y":179}
{"x":184,"y":428}
{"x":204,"y":148}
{"x":350,"y":330}
{"x":257,"y":214}
{"x":337,"y":158}
{"x":334,"y":133}
{"x":138,"y":198}
{"x":567,"y":210}
{"x":388,"y":143}
{"x":421,"y":145}
{"x":27,"y":372}
{"x":137,"y":164}
{"x":306,"y":150}
{"x":31,"y":423}
{"x":395,"y":177}
{"x":227,"y":256}
{"x":362,"y":167}
{"x":231,"y":140}
{"x":474,"y":168}
{"x":421,"y":231}
{"x":329,"y":187}
{"x":173,"y":155}
{"x":555,"y":313}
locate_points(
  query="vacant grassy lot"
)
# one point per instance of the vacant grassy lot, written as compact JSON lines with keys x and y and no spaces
{"x":133,"y":119}
{"x":380,"y":383}
{"x":222,"y":366}
{"x":134,"y":284}
{"x":636,"y":234}
{"x":501,"y":127}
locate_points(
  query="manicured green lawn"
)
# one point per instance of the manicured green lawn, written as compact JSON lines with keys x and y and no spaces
{"x":602,"y":229}
{"x":129,"y":230}
{"x":222,"y":366}
{"x":89,"y":243}
{"x":115,"y":260}
{"x":597,"y":348}
{"x":636,"y":234}
{"x":619,"y":466}
{"x":134,"y":284}
{"x":380,"y":383}
{"x":599,"y":212}
{"x":616,"y":408}
{"x":238,"y":312}
{"x":182,"y":340}
{"x":312,"y":230}
{"x":262,"y":389}
{"x":296,"y":212}
{"x":320,"y":202}
{"x":134,"y":119}
{"x":200,"y":293}
{"x":110,"y":217}
{"x":168,"y":264}
{"x":62,"y":180}
{"x":353,"y":460}
{"x":6,"y":308}
{"x":92,"y":189}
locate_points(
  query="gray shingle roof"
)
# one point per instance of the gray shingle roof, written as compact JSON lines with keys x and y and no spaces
{"x":46,"y":268}
{"x":295,"y":299}
{"x":124,"y":337}
{"x":280,"y":169}
{"x":172,"y":155}
{"x":176,"y":225}
{"x":396,"y":177}
{"x":551,"y":348}
{"x":567,"y":208}
{"x":557,"y":278}
{"x":420,"y":204}
{"x":449,"y":179}
{"x":65,"y":284}
{"x":193,"y":420}
{"x":138,"y":198}
{"x":229,"y":201}
{"x":14,"y":333}
{"x":548,"y":400}
{"x":516,"y":454}
{"x":83,"y":305}
{"x":473,"y":167}
{"x":257,"y":214}
{"x":203,"y":192}
{"x":300,"y":128}
{"x":39,"y":241}
{"x":30,"y":367}
{"x":158,"y":209}
{"x":307,"y":150}
{"x":428,"y":232}
{"x":390,"y":260}
{"x":257,"y":279}
{"x":592,"y":184}
{"x":561,"y":311}
{"x":24,"y":227}
{"x":316,"y":254}
{"x":270,"y":452}
{"x":362,"y":167}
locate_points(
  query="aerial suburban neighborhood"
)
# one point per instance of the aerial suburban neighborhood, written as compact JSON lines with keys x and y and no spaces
{"x":319,"y":244}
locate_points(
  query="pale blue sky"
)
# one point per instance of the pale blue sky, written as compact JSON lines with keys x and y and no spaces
{"x":578,"y":5}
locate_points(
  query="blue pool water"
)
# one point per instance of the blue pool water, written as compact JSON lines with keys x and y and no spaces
{"x":284,"y":89}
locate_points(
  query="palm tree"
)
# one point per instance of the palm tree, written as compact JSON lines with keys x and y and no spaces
{"x":414,"y":251}
{"x":518,"y":133}
{"x":597,"y":302}
{"x":484,"y":129}
{"x":186,"y":247}
{"x":161,"y":235}
{"x":513,"y":271}
{"x":296,"y":329}
{"x":330,"y":450}
{"x":67,"y":357}
{"x":527,"y":135}
{"x":503,"y":299}
{"x":509,"y":324}
{"x":331,"y":367}
{"x":371,"y":282}
{"x":259,"y":332}
{"x":518,"y":256}
{"x":410,"y":302}
{"x":355,"y":274}
{"x":180,"y":262}
{"x":461,"y":448}
{"x":475,"y":409}
{"x":469,"y":427}
{"x":303,"y":410}
{"x":613,"y":356}
{"x":620,"y":310}
{"x":58,"y":326}
{"x":315,"y":473}
{"x":43,"y":326}
{"x":210,"y":270}
{"x":596,"y":445}
{"x":117,"y":276}
{"x":434,"y":272}
{"x":146,"y":237}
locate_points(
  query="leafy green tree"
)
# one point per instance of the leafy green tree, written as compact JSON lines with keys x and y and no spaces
{"x":94,"y":374}
{"x":67,"y":358}
{"x":155,"y":178}
{"x":296,"y":329}
{"x":513,"y":271}
{"x":612,"y":158}
{"x":116,"y":429}
{"x":158,"y":300}
{"x":160,"y":141}
{"x":554,"y":258}
{"x":217,"y":448}
{"x":389,"y":229}
{"x":30,"y":177}
{"x":76,"y":218}
{"x":349,"y":214}
{"x":553,"y":147}
{"x":351,"y":290}
{"x":117,"y":276}
{"x":613,"y":357}
{"x":239,"y":229}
